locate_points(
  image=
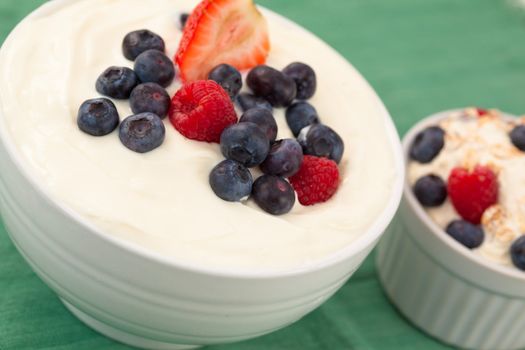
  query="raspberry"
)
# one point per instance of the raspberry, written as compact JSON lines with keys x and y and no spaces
{"x":316,"y":181}
{"x":473,"y":192}
{"x":202,"y":110}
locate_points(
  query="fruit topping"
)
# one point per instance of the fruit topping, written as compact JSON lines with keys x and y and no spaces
{"x":117,"y":82}
{"x":228,"y":77}
{"x":472,"y":192}
{"x":220,"y":38}
{"x":183,"y":19}
{"x":321,"y":141}
{"x":264,"y":120}
{"x":316,"y":181}
{"x":202,"y":110}
{"x":150,"y":97}
{"x":273,"y":194}
{"x":284,"y":159}
{"x":97,"y":117}
{"x":427,"y":144}
{"x":275,"y":87}
{"x":482,"y":112}
{"x":231,"y":181}
{"x":517,"y":136}
{"x":138,"y":41}
{"x":142,"y":132}
{"x":471,"y":236}
{"x":430,"y":191}
{"x":153,"y":66}
{"x":517,"y":253}
{"x":300,"y":115}
{"x":245,"y":143}
{"x":248,"y":101}
{"x":225,"y":31}
{"x":304,"y":77}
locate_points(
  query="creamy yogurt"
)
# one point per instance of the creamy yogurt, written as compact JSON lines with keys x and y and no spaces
{"x":162,"y":200}
{"x":471,"y":140}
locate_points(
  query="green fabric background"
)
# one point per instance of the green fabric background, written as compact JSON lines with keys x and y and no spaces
{"x":421,"y":56}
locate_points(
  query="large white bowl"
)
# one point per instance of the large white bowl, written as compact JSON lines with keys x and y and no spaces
{"x":144,"y":299}
{"x":444,"y":288}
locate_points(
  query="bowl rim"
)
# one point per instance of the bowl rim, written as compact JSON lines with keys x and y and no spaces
{"x":418,"y":209}
{"x":365,"y":239}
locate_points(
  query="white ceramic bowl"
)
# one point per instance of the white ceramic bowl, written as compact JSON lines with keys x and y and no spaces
{"x":442,"y":287}
{"x":146,"y":300}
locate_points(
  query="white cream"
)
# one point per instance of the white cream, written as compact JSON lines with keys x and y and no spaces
{"x":162,"y":200}
{"x":472,"y":140}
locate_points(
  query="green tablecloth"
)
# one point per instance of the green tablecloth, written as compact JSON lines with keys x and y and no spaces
{"x":421,"y":56}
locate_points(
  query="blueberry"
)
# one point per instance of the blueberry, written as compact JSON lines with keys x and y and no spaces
{"x":284,"y":159}
{"x":471,"y":236}
{"x":183,"y":19}
{"x":427,"y":144}
{"x":264,"y":120}
{"x":517,"y":136}
{"x":430,"y":191}
{"x":142,"y":132}
{"x":517,"y":253}
{"x":273,"y":194}
{"x":279,"y":89}
{"x":300,"y":115}
{"x":153,"y":66}
{"x":150,"y":97}
{"x":321,"y":141}
{"x":231,"y":181}
{"x":97,"y":117}
{"x":304,"y":77}
{"x":248,"y":101}
{"x":228,"y":77}
{"x":245,"y":143}
{"x":117,"y":82}
{"x":137,"y":42}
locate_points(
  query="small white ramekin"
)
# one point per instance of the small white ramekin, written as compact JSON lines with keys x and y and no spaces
{"x":442,"y":287}
{"x":147,"y":300}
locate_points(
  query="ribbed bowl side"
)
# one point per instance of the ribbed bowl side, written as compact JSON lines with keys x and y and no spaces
{"x":441,"y":303}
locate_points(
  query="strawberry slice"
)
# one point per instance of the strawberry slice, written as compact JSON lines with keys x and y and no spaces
{"x":222,"y":31}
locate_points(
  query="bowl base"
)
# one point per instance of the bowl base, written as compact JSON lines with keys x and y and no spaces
{"x":123,"y":337}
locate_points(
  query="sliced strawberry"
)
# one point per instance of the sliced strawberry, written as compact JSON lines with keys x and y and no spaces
{"x":222,"y":31}
{"x":482,"y":112}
